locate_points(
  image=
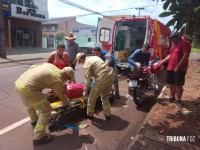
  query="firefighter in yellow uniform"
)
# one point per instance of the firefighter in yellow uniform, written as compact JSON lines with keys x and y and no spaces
{"x":30,"y":85}
{"x":95,"y":67}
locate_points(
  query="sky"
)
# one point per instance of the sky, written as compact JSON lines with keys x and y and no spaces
{"x":57,"y":8}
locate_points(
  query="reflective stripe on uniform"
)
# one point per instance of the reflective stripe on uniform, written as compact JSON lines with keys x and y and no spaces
{"x":42,"y":101}
{"x":21,"y":87}
{"x":39,"y":127}
{"x":55,"y":71}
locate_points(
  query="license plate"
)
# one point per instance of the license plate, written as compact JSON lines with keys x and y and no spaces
{"x":133,"y":83}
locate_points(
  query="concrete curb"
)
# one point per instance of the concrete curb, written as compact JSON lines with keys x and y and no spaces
{"x":20,"y":60}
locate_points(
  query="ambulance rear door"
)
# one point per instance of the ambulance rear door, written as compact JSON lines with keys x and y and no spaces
{"x":105,"y":31}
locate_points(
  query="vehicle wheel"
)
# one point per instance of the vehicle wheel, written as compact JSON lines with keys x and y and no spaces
{"x":139,"y":95}
{"x":154,"y":83}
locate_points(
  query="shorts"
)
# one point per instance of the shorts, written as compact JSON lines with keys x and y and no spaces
{"x":177,"y":78}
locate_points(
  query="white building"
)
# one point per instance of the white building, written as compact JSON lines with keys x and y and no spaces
{"x":84,"y":33}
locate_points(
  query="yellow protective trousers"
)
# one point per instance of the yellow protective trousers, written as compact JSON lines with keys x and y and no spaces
{"x":35,"y":101}
{"x":100,"y":87}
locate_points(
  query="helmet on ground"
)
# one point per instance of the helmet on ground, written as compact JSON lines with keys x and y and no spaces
{"x":156,"y":68}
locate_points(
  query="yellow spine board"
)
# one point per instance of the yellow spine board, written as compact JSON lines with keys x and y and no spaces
{"x":57,"y":103}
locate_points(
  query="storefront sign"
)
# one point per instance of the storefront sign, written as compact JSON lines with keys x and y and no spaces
{"x":88,"y":28}
{"x":82,"y":28}
{"x":6,"y":8}
{"x":29,"y":12}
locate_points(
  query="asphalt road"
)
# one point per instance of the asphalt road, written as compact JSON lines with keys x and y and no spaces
{"x":16,"y":131}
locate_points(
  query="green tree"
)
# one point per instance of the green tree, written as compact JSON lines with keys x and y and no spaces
{"x":185,"y":15}
{"x":59,"y":37}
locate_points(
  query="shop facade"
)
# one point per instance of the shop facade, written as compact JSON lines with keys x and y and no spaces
{"x":22,"y":22}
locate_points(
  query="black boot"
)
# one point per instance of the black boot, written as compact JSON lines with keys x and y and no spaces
{"x":89,"y":117}
{"x":44,"y":140}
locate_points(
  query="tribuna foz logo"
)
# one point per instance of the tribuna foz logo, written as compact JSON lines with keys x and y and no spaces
{"x":180,"y":138}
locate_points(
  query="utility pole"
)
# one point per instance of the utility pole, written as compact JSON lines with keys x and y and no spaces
{"x":2,"y":33}
{"x":139,"y":8}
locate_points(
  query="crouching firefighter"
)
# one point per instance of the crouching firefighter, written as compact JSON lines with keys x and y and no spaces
{"x":95,"y":67}
{"x":30,"y":85}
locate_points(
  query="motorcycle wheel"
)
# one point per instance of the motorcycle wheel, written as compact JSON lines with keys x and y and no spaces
{"x":155,"y":83}
{"x":139,"y":95}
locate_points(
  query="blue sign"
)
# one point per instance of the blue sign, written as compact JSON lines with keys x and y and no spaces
{"x":7,"y":8}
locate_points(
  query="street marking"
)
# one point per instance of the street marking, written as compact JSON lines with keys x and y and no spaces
{"x":13,"y":126}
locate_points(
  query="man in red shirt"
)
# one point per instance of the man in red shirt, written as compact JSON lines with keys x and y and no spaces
{"x":178,"y":60}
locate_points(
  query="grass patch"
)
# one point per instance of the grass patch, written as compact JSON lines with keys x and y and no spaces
{"x":195,"y":50}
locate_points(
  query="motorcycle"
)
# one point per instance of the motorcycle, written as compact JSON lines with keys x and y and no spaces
{"x":144,"y":82}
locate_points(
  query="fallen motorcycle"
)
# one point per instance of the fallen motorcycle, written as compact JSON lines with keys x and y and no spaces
{"x":143,"y":83}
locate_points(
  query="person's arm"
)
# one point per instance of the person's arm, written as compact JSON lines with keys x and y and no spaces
{"x":165,"y":60}
{"x":58,"y":88}
{"x":186,"y":55}
{"x":108,"y":59}
{"x":131,"y":59}
{"x":67,"y":59}
{"x":77,"y":51}
{"x":51,"y":58}
{"x":88,"y":76}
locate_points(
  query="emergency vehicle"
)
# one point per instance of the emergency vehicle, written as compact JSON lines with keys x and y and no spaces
{"x":123,"y":36}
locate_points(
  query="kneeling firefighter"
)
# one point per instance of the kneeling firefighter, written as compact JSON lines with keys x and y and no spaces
{"x":30,"y":85}
{"x":95,"y":67}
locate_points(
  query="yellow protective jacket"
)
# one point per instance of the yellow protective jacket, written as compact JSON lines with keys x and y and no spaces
{"x":95,"y":67}
{"x":39,"y":77}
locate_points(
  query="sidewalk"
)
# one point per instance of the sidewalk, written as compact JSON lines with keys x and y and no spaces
{"x":21,"y":54}
{"x":168,"y":127}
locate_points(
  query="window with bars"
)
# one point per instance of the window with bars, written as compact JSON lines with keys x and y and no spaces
{"x":27,"y":3}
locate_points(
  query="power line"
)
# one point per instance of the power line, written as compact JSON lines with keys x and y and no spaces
{"x":78,"y":6}
{"x":100,"y":13}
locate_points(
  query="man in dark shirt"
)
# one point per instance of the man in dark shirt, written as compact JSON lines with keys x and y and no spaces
{"x":140,"y":57}
{"x":72,"y":48}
